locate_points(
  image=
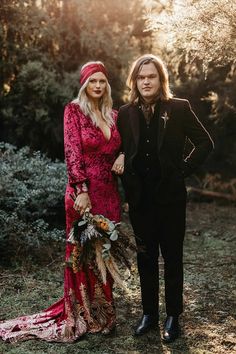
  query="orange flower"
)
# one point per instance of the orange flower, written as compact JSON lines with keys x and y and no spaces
{"x":101,"y":224}
{"x":104,"y":226}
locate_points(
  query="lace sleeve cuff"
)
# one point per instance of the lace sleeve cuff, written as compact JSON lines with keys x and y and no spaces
{"x":81,"y":188}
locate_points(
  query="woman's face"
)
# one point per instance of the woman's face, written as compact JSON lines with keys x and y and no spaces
{"x":96,"y":86}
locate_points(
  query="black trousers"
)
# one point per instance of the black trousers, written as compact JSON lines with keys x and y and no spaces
{"x":160,"y":226}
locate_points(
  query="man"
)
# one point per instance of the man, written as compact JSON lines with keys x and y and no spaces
{"x":154,"y":128}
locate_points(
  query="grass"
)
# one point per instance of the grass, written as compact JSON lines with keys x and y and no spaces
{"x":208,"y":323}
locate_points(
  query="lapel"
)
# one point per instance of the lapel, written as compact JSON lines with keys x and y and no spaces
{"x":135,"y":112}
{"x":164,"y":111}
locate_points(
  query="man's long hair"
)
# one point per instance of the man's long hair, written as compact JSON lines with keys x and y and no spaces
{"x":165,"y":93}
{"x":105,"y":103}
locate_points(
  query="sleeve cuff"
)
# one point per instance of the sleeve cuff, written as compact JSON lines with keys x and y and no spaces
{"x":81,"y":188}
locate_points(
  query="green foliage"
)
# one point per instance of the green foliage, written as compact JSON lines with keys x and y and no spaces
{"x":44,"y":43}
{"x":116,"y":34}
{"x":34,"y":107}
{"x":213,"y":100}
{"x":32,"y":194}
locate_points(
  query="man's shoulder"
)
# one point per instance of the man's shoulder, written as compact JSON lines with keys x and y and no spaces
{"x":126,"y":107}
{"x":179,"y":101}
{"x":174,"y":102}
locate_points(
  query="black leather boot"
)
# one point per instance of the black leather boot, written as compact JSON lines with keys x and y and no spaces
{"x":171,"y":329}
{"x":146,"y":323}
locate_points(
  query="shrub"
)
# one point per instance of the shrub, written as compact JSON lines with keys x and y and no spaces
{"x":32,"y":204}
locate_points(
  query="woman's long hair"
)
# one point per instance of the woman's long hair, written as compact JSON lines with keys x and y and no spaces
{"x":105,"y":104}
{"x":165,"y":93}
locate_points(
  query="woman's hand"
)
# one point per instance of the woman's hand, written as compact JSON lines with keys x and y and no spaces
{"x":82,"y":202}
{"x":118,"y":166}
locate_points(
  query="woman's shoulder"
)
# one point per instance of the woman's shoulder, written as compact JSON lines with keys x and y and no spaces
{"x":73,"y":107}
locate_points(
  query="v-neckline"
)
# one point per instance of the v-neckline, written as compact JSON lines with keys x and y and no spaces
{"x":105,"y":138}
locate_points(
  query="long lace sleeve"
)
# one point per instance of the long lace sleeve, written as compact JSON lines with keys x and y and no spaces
{"x":73,"y":149}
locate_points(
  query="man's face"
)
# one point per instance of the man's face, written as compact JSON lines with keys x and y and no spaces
{"x":148,"y":82}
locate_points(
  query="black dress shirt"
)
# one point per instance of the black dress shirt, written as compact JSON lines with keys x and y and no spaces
{"x":146,"y":162}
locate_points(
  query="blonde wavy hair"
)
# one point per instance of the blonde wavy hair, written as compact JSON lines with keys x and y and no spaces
{"x":134,"y":94}
{"x":105,"y":103}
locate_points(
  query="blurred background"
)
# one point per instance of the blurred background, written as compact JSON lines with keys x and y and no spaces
{"x":44,"y":43}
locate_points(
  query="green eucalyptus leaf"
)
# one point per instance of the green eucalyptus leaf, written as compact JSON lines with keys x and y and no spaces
{"x":114,"y":235}
{"x":107,"y":246}
{"x":82,"y":222}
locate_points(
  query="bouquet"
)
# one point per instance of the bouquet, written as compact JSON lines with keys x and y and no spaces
{"x":102,"y":243}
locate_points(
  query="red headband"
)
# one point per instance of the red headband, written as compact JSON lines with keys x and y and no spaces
{"x":90,"y":70}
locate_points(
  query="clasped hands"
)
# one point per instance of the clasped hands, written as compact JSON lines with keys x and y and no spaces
{"x":118,"y":166}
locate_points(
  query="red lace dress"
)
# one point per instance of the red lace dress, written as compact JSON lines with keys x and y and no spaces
{"x":87,"y":305}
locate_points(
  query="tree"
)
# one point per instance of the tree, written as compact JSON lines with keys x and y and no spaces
{"x":43,"y":46}
{"x":198,"y":42}
{"x":201,"y":29}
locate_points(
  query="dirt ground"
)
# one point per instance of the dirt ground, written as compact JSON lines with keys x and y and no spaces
{"x":208,"y":323}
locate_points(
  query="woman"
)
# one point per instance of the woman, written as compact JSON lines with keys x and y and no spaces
{"x":92,"y":144}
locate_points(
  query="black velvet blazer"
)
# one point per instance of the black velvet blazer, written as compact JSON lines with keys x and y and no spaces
{"x":177,"y":122}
